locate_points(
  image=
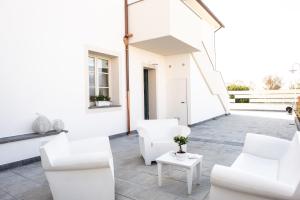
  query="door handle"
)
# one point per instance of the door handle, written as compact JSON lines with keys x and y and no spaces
{"x":182,"y":102}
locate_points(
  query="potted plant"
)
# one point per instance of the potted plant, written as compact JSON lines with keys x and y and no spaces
{"x":181,"y":140}
{"x":102,"y":100}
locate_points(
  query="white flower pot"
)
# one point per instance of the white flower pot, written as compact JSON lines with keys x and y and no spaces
{"x":181,"y":156}
{"x":103,"y":103}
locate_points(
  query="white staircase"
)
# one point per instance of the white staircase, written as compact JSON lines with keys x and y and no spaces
{"x":212,"y":77}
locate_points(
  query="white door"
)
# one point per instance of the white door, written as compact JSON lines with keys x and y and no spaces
{"x":177,"y":100}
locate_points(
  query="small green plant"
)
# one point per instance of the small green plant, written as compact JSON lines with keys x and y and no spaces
{"x":180,"y":140}
{"x":102,"y":98}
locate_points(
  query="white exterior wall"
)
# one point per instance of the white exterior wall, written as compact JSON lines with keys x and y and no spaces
{"x":43,"y":59}
{"x":150,"y":15}
{"x":138,"y":60}
{"x":21,"y":150}
{"x":203,"y":104}
{"x":43,"y":63}
{"x":208,"y":38}
{"x":186,"y":26}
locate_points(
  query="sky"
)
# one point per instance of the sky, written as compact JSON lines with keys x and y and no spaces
{"x":261,"y":37}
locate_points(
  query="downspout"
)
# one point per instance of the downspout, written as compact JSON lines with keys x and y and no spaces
{"x":126,"y":43}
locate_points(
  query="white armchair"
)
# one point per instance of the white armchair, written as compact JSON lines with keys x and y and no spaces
{"x":80,"y":169}
{"x":267,"y":169}
{"x":156,"y":137}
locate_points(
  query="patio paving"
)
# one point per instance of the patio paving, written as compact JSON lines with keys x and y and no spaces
{"x":219,"y":140}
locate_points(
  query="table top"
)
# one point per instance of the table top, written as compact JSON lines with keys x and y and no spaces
{"x":190,"y":161}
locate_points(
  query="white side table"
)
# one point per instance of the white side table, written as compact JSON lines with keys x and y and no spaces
{"x":193,"y":161}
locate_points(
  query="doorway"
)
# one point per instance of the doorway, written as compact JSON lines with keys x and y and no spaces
{"x":150,"y":93}
{"x":177,"y":100}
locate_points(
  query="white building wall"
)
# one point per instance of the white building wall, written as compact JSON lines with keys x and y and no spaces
{"x":138,"y":60}
{"x":44,"y":61}
{"x":186,"y":26}
{"x":150,"y":15}
{"x":43,"y":69}
{"x":208,"y":39}
{"x":203,"y":104}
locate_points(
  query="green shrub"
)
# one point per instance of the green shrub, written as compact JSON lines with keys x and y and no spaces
{"x":242,"y":100}
{"x":102,"y":98}
{"x":235,"y":87}
{"x":231,"y":96}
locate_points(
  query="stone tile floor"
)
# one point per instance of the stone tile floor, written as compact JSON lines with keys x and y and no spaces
{"x":219,"y":140}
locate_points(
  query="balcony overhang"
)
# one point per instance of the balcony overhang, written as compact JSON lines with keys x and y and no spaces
{"x":167,"y":45}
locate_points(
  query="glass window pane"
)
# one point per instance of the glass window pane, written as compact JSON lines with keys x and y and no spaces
{"x":91,"y":62}
{"x":98,"y":63}
{"x":91,"y":79}
{"x":104,"y":70}
{"x":104,"y":63}
{"x":103,"y":91}
{"x":92,"y":91}
{"x":101,"y":63}
{"x":103,"y":80}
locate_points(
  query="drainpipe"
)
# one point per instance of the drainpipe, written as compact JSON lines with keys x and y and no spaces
{"x":126,"y":43}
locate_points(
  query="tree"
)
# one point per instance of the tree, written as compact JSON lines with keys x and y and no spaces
{"x":272,"y":82}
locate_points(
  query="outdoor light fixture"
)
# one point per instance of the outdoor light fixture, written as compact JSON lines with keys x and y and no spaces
{"x":295,"y":67}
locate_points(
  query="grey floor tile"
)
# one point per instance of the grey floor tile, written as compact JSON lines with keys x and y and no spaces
{"x":219,"y":141}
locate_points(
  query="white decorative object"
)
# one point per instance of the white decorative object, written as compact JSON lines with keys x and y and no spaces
{"x":58,"y":125}
{"x":79,"y":169}
{"x":181,"y":156}
{"x":193,"y":161}
{"x":268,"y":168}
{"x":103,"y":103}
{"x":156,"y":137}
{"x":41,"y":124}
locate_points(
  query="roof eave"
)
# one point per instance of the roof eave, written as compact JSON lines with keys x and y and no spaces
{"x":211,"y":14}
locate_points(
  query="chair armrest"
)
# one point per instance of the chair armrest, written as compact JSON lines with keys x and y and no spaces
{"x":265,"y":146}
{"x":243,"y":182}
{"x":142,"y":132}
{"x":80,"y":162}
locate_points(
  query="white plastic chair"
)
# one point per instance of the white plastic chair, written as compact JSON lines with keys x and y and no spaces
{"x":268,"y":168}
{"x":78,"y":170}
{"x":156,"y":137}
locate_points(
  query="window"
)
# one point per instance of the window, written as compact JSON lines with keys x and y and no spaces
{"x":103,"y":72}
{"x":99,"y":76}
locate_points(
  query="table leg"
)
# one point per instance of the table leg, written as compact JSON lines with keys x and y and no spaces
{"x":190,"y":180}
{"x":199,"y":169}
{"x":159,"y":168}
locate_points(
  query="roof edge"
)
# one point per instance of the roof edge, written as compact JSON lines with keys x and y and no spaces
{"x":210,"y":13}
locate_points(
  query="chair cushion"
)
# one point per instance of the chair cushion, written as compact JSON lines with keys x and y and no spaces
{"x":289,"y":170}
{"x":256,"y":165}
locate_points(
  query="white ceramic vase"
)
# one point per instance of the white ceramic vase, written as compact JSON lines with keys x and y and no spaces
{"x":181,"y":156}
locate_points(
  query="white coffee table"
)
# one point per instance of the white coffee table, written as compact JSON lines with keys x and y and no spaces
{"x":189,"y":164}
